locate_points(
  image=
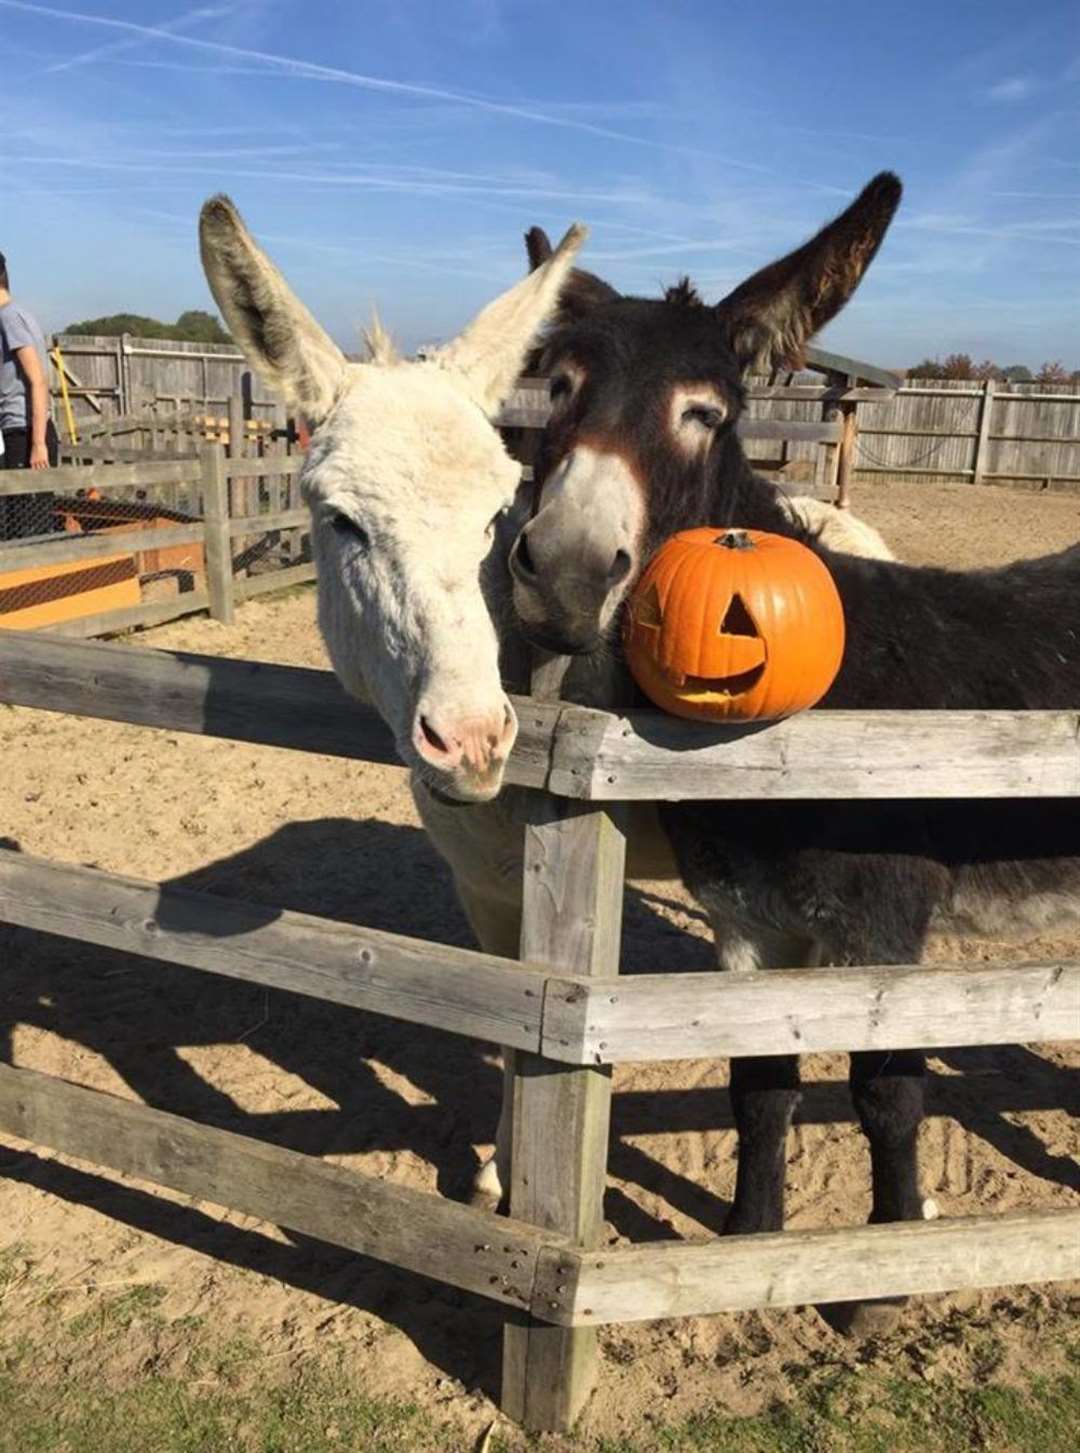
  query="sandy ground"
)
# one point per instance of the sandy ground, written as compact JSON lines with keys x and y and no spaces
{"x":415,"y":1106}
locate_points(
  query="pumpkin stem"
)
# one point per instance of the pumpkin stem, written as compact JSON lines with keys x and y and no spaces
{"x":734,"y":540}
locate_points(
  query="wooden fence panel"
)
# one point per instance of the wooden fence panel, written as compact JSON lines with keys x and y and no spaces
{"x":492,"y":1256}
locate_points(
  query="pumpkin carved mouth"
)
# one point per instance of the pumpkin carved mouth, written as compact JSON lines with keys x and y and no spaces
{"x":744,"y":653}
{"x":727,"y":685}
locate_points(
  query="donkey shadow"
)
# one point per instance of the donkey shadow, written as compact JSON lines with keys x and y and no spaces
{"x":394,"y":1088}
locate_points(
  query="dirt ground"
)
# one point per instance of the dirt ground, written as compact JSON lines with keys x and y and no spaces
{"x":342,"y":839}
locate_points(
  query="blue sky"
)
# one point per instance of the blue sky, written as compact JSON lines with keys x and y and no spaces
{"x":393,"y":153}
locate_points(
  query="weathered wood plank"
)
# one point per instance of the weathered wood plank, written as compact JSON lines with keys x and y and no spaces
{"x":66,"y":478}
{"x":218,"y":546}
{"x":281,"y":579}
{"x":644,"y":755}
{"x":816,"y":392}
{"x":826,"y":362}
{"x":819,"y":754}
{"x":246,"y":701}
{"x":266,"y":465}
{"x":651,"y":1017}
{"x":845,"y":453}
{"x":791,"y":429}
{"x":93,"y":454}
{"x":152,"y":613}
{"x":59,"y":549}
{"x":491,"y":1256}
{"x":449,"y":988}
{"x":276,"y":520}
{"x":986,"y":409}
{"x":572,"y":917}
{"x":796,"y":1268}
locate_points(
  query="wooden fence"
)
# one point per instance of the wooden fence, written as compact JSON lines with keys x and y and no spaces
{"x":107,"y":377}
{"x":241,"y":513}
{"x":982,"y":432}
{"x":562,"y":1011}
{"x":978,"y":432}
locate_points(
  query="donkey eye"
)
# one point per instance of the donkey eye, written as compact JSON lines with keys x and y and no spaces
{"x":345,"y":525}
{"x":708,"y":418}
{"x":559,"y":387}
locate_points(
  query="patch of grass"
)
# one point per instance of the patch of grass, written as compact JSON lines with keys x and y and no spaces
{"x":850,"y":1413}
{"x":110,"y":1315}
{"x":228,"y":1401}
{"x":312,"y":1415}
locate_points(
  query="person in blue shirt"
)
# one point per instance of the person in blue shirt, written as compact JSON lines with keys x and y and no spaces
{"x":30,"y":440}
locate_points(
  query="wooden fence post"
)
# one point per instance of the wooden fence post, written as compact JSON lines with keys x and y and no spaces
{"x":827,"y":473}
{"x":572,"y":918}
{"x":986,"y":409}
{"x":215,"y":492}
{"x":845,"y":453}
{"x":242,"y":490}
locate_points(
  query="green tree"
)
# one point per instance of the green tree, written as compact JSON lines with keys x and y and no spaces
{"x":1016,"y":373}
{"x":928,"y":368}
{"x":198,"y":327}
{"x":194,"y":326}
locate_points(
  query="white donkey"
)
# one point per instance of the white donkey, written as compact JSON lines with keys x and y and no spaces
{"x":412,"y":499}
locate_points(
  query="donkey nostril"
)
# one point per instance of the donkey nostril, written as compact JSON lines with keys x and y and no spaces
{"x":431,"y":736}
{"x":620,"y":567}
{"x":523,"y":556}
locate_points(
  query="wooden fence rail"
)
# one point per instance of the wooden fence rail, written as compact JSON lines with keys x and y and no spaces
{"x":554,"y":1009}
{"x":570,"y":751}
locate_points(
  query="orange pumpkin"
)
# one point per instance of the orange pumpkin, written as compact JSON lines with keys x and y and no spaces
{"x":734,"y":625}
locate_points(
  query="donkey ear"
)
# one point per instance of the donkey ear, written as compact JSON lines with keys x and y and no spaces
{"x":281,"y":340}
{"x":772,"y":316}
{"x":581,"y":292}
{"x":489,"y":355}
{"x":538,"y":247}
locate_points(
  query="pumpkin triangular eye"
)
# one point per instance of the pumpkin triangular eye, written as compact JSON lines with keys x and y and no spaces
{"x":737,"y":620}
{"x":647,"y":610}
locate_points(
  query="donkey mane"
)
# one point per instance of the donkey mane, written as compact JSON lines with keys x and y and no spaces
{"x":684,"y":294}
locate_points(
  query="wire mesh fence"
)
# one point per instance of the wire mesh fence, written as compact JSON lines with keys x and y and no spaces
{"x":84,"y":553}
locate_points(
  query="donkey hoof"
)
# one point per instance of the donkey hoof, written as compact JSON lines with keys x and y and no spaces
{"x":487,"y":1191}
{"x":862,"y":1320}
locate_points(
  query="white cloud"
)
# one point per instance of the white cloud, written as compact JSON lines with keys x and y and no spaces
{"x":1013,"y":88}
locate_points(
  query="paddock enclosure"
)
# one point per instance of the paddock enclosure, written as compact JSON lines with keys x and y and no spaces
{"x":565,"y":1011}
{"x":566,"y":1280}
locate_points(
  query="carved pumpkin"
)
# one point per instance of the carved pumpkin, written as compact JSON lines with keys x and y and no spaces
{"x":734,"y":625}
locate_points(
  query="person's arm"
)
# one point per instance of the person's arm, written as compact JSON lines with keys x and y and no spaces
{"x":37,"y":404}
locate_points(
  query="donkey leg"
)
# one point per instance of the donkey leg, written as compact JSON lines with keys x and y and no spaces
{"x":497,"y":926}
{"x":764,"y":1091}
{"x":888,"y":1091}
{"x":764,"y":1096}
{"x":484,"y":847}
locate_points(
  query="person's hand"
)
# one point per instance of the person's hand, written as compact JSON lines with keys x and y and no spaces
{"x":39,"y":456}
